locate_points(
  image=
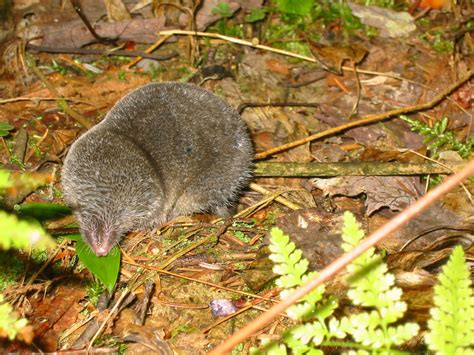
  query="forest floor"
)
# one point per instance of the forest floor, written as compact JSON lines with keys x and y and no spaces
{"x":347,"y":71}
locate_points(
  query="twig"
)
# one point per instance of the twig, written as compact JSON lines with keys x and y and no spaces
{"x":273,"y":169}
{"x":246,"y":105}
{"x":340,"y":263}
{"x":107,"y":318}
{"x":237,"y":41}
{"x":355,"y":107}
{"x":77,"y":7}
{"x":150,"y":49}
{"x":119,"y":52}
{"x":35,"y":98}
{"x":282,"y":200}
{"x":369,"y":119}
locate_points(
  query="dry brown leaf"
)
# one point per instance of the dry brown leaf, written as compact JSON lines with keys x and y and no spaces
{"x":382,"y":191}
{"x":116,"y":10}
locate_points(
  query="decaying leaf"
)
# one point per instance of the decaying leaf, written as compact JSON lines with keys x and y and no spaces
{"x":382,"y":191}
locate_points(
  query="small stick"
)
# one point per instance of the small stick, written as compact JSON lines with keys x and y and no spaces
{"x":282,"y":200}
{"x":272,"y":169}
{"x":150,"y":49}
{"x":246,"y":105}
{"x":107,"y":318}
{"x":237,"y":41}
{"x":77,"y":7}
{"x":36,"y":98}
{"x":93,"y":51}
{"x":355,"y":107}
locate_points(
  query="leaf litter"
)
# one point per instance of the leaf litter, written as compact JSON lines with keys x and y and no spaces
{"x":399,"y":72}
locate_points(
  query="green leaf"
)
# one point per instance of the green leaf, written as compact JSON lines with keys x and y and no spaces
{"x":105,"y":268}
{"x":18,"y":181}
{"x":10,"y":324}
{"x":295,"y":7}
{"x":21,"y":234}
{"x":42,"y":210}
{"x":5,"y":129}
{"x":256,"y":15}
{"x":451,"y":327}
{"x":222,"y":9}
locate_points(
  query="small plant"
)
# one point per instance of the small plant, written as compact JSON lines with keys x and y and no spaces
{"x":438,"y":138}
{"x":437,"y":42}
{"x":451,"y":327}
{"x":295,"y":7}
{"x":16,"y":233}
{"x":222,"y":9}
{"x":94,"y":289}
{"x":12,"y":268}
{"x":5,"y":129}
{"x":10,"y":324}
{"x":371,"y":287}
{"x":255,"y":15}
{"x":121,"y":75}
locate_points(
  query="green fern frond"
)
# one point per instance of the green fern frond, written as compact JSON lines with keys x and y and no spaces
{"x":293,"y":271}
{"x":19,"y":234}
{"x":451,"y":327}
{"x":437,"y":137}
{"x":10,"y":324}
{"x":372,"y":286}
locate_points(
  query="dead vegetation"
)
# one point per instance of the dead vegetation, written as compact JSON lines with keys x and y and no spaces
{"x":340,"y":104}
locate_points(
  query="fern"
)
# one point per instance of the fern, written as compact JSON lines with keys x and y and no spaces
{"x":293,"y":271}
{"x":371,"y":287}
{"x":10,"y":324}
{"x":21,"y":234}
{"x":437,"y":137}
{"x":451,"y":327}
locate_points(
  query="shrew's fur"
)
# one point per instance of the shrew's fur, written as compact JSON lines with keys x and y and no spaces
{"x":162,"y":151}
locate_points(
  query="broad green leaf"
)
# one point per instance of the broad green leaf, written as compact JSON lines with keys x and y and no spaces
{"x":105,"y":268}
{"x":42,"y":210}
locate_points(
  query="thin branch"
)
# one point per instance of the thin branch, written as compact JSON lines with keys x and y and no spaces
{"x":93,"y":51}
{"x":273,"y":169}
{"x":77,"y":7}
